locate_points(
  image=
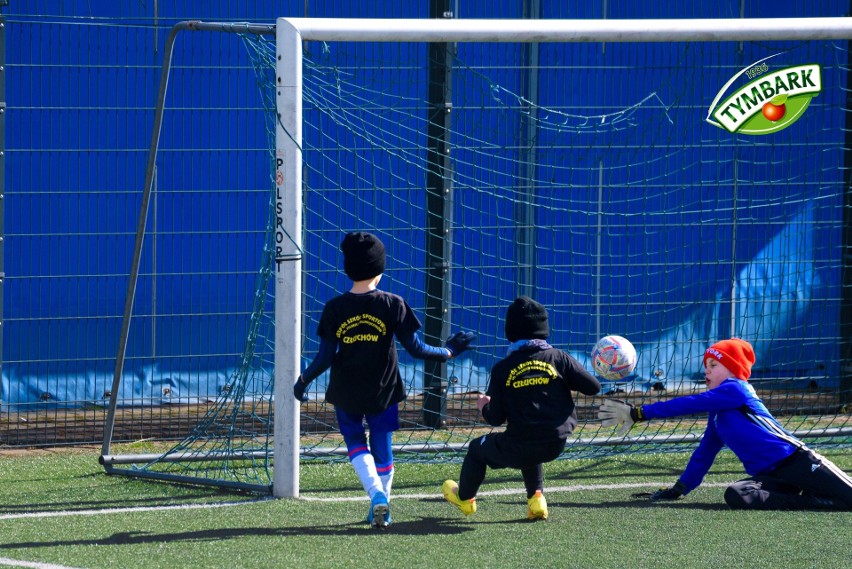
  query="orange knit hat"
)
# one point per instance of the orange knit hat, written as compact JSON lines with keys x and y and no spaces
{"x":735,"y":354}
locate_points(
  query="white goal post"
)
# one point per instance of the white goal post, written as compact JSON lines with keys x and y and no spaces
{"x":291,"y":32}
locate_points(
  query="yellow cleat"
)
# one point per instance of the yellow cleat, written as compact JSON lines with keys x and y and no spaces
{"x":451,"y":493}
{"x":537,"y":507}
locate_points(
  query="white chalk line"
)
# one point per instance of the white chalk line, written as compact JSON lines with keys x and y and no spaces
{"x":510,"y":491}
{"x":104,"y":511}
{"x":314,"y":498}
{"x":307,"y":498}
{"x":31,"y":564}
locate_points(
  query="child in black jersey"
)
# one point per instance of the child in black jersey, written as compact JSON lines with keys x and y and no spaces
{"x":356,"y":332}
{"x":529,"y":390}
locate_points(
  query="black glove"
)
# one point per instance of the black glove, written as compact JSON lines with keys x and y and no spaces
{"x":459,"y":342}
{"x":299,"y":389}
{"x":672,"y":493}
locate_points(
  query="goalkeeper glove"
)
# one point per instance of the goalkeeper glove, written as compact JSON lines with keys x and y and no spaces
{"x":299,"y":389}
{"x":672,"y":493}
{"x":459,"y":342}
{"x":614,"y":413}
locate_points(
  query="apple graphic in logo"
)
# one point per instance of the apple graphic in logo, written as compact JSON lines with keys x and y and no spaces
{"x":774,"y":109}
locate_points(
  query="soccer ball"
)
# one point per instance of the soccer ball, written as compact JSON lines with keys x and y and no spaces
{"x":613,"y":358}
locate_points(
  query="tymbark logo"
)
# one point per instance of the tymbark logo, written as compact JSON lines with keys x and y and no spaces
{"x":769,"y":102}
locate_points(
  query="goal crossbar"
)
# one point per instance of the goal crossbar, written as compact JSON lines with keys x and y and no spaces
{"x":460,"y":30}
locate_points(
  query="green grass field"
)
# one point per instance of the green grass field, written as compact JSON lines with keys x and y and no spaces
{"x":60,"y":509}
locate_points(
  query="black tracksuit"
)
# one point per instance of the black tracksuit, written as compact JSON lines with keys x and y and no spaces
{"x":530,"y":391}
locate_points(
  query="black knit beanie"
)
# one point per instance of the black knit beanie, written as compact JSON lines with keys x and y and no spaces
{"x":526,"y":320}
{"x":363,"y":256}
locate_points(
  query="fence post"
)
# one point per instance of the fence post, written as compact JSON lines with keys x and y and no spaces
{"x":846,"y":256}
{"x":2,"y":169}
{"x":439,"y":181}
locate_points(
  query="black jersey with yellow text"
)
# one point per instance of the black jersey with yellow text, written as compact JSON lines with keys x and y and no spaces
{"x":530,"y":390}
{"x":365,"y":374}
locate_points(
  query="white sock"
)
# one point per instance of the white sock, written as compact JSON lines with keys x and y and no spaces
{"x":387,"y":482}
{"x":365,"y":468}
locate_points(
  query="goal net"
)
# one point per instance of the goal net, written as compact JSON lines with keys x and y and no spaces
{"x":625,"y":174}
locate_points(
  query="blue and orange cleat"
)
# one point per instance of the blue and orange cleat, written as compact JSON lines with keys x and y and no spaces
{"x":379,"y":515}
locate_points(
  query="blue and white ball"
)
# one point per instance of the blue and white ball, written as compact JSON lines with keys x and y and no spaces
{"x":613,"y":358}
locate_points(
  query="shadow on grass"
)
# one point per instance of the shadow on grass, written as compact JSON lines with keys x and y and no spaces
{"x":642,"y":503}
{"x":65,"y":505}
{"x":117,"y":503}
{"x":121,"y":490}
{"x":422,"y":526}
{"x":53,"y":478}
{"x":610,"y":470}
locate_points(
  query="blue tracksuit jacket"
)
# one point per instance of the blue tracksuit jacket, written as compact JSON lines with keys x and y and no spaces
{"x":737,"y":419}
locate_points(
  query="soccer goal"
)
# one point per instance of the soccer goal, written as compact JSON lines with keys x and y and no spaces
{"x":674,"y":182}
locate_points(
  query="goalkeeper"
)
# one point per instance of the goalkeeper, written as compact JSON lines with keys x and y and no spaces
{"x":784,"y":473}
{"x":529,"y":390}
{"x":356,"y":331}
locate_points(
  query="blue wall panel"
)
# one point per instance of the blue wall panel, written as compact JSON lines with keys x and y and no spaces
{"x":82,"y":86}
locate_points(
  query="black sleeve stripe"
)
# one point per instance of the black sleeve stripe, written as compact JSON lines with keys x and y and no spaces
{"x":771,"y":427}
{"x":834,"y":469}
